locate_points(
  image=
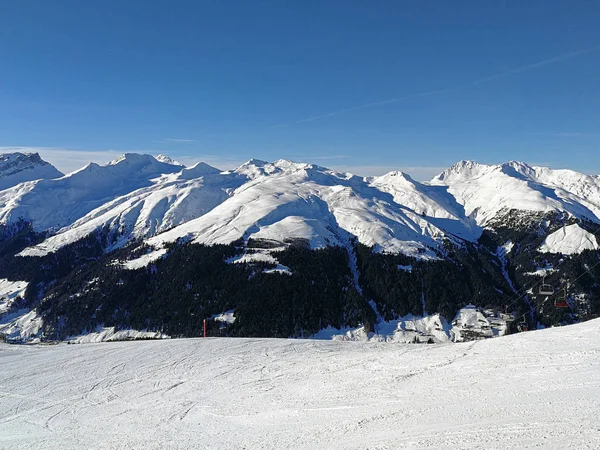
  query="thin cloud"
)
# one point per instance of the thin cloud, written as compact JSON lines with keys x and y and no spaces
{"x":319,"y":158}
{"x":487,"y":79}
{"x":180,"y":141}
{"x":567,"y":135}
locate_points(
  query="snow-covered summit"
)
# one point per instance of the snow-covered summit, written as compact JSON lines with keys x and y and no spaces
{"x":284,"y":199}
{"x":167,"y":160}
{"x":51,"y":204}
{"x":18,"y":167}
{"x":198,"y":170}
{"x":146,"y":163}
{"x":462,"y":170}
{"x":486,"y":190}
{"x":143,"y":196}
{"x":167,"y":201}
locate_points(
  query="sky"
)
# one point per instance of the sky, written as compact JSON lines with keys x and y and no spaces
{"x":360,"y":86}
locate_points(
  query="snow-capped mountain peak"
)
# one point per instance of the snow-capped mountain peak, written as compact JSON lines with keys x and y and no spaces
{"x":142,"y":197}
{"x":462,"y":170}
{"x":145,"y":162}
{"x":166,"y":159}
{"x":198,"y":170}
{"x":55,"y":203}
{"x":19,"y":167}
{"x":486,"y":190}
{"x":256,"y":168}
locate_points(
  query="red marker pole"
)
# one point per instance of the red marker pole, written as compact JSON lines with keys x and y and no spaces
{"x":204,"y":327}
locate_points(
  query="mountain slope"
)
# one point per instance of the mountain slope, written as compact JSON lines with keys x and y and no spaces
{"x":169,"y":201}
{"x":488,"y":191}
{"x":435,"y":202}
{"x":569,"y":240}
{"x":52,"y":204}
{"x":285,"y":200}
{"x":271,"y":201}
{"x":294,"y":248}
{"x":17,"y":168}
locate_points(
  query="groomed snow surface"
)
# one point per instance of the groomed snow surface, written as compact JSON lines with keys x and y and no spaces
{"x":539,"y":389}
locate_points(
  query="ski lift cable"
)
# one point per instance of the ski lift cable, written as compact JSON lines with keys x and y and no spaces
{"x":532,"y":287}
{"x":558,"y":291}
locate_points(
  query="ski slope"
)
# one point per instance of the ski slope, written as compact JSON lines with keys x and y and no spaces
{"x":538,"y":389}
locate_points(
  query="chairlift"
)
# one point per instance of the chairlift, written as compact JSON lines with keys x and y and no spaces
{"x":561,"y":300}
{"x":523,"y":325}
{"x":546,"y":289}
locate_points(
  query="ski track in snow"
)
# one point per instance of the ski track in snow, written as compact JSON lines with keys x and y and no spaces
{"x":536,"y":389}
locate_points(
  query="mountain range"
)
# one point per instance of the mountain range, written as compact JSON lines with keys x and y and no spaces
{"x":138,"y":209}
{"x":17,"y":168}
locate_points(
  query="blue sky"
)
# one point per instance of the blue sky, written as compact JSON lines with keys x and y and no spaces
{"x":356,"y":85}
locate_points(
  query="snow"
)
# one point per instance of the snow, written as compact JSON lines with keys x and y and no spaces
{"x":406,"y":330}
{"x":142,"y":197}
{"x":9,"y":291}
{"x":432,"y":328}
{"x":537,"y":389}
{"x":433,"y":202}
{"x":405,"y":268}
{"x":256,"y":255}
{"x":502,"y":253}
{"x":470,"y":323}
{"x":17,"y":168}
{"x":226,"y":317}
{"x":286,"y":200}
{"x":261,"y":255}
{"x":108,"y":334}
{"x":569,"y":240}
{"x":144,"y":260}
{"x":51,"y":204}
{"x":487,"y":190}
{"x":542,"y":271}
{"x":22,"y":325}
{"x":279,"y":268}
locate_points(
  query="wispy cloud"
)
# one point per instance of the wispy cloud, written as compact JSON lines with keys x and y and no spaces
{"x":319,"y":158}
{"x":179,"y":141}
{"x":473,"y":83}
{"x":567,"y":135}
